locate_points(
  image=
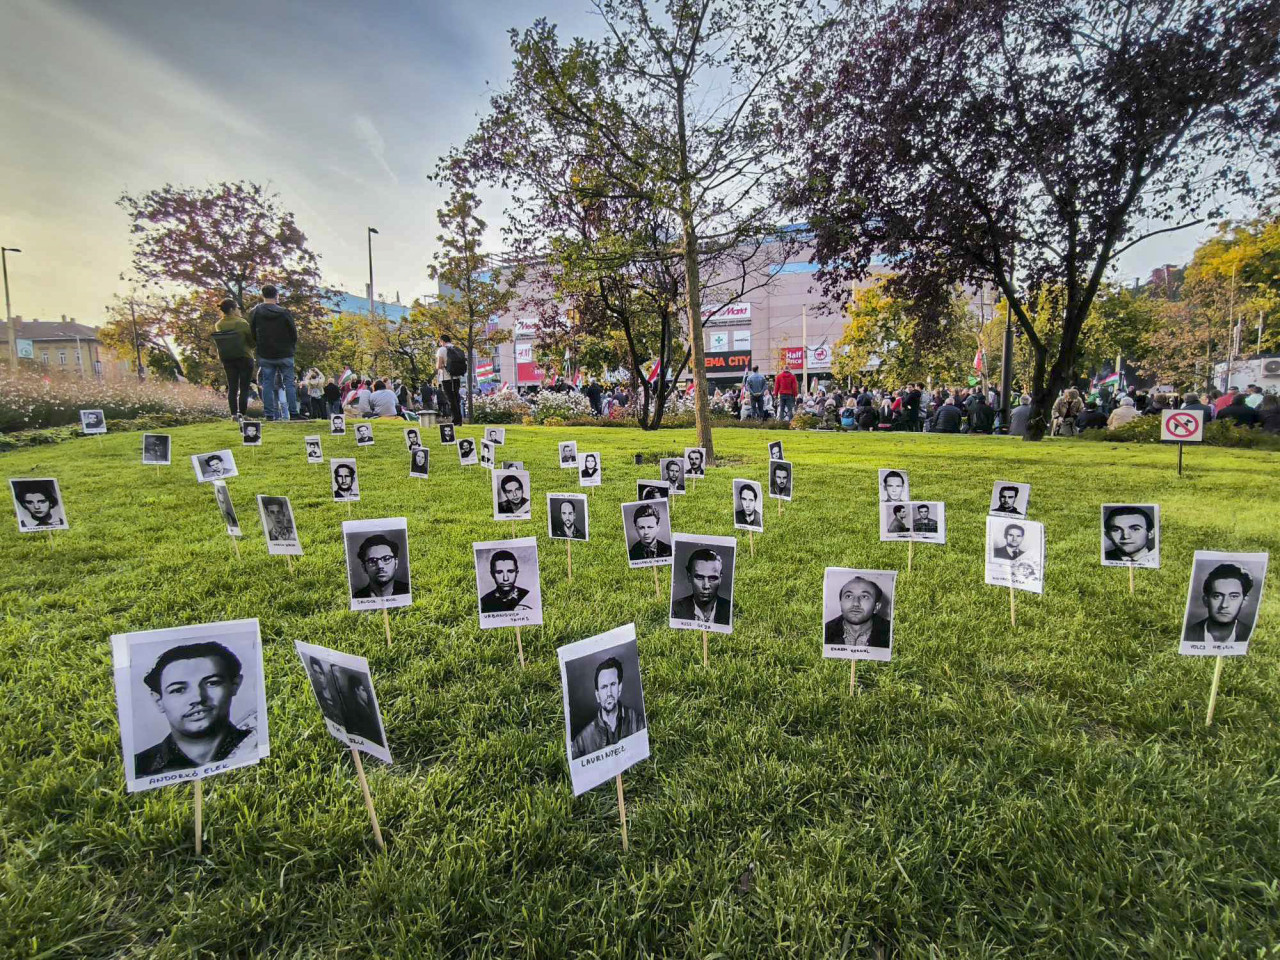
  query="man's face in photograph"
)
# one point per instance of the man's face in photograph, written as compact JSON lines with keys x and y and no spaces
{"x":922,"y":513}
{"x":1007,"y":499}
{"x":567,"y":515}
{"x":313,"y":450}
{"x":859,"y":601}
{"x":195,"y":695}
{"x":647,"y":530}
{"x":380,"y":564}
{"x":705,"y":580}
{"x":465,"y":446}
{"x":363,"y":431}
{"x":893,"y":488}
{"x":251,"y":432}
{"x":512,"y":491}
{"x":673,"y":473}
{"x":504,"y":574}
{"x":1128,"y":531}
{"x":1223,"y":599}
{"x":1013,"y":538}
{"x":214,"y":466}
{"x":278,"y":516}
{"x":344,"y":476}
{"x":695,"y":459}
{"x":748,"y":497}
{"x":37,"y":505}
{"x":783,"y":478}
{"x":413,"y":436}
{"x":608,"y":690}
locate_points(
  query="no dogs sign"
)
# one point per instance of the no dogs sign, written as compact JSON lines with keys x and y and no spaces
{"x":1182,"y":426}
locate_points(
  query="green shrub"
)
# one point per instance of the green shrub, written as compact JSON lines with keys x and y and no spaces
{"x":1217,"y":433}
{"x":32,"y":401}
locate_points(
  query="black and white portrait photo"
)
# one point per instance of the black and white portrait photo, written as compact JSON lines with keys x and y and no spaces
{"x":1015,"y":554}
{"x":345,"y":483}
{"x":894,"y":486}
{"x":512,"y":464}
{"x":895,"y":521}
{"x":93,"y":421}
{"x":218,"y":465}
{"x":251,"y":433}
{"x":222,"y":496}
{"x":928,"y":521}
{"x":191,"y":701}
{"x":567,"y":516}
{"x":343,"y":688}
{"x":419,"y":462}
{"x":337,"y":425}
{"x":780,"y":479}
{"x":671,"y":469}
{"x":604,"y":719}
{"x":412,"y":437}
{"x":314,"y":454}
{"x":702,"y":583}
{"x":37,"y":501}
{"x":467,"y":452}
{"x":1009,"y":499}
{"x":364,"y":434}
{"x":695,"y":462}
{"x":276,"y":515}
{"x":747,"y":512}
{"x":647,"y":527}
{"x":857,"y":613}
{"x":775,"y":450}
{"x":652,"y":490}
{"x":511,"y":495}
{"x":589,"y":470}
{"x":155,"y":449}
{"x":1223,"y":601}
{"x":486,"y":454}
{"x":496,"y":435}
{"x":1131,"y":535}
{"x":568,"y":454}
{"x":447,"y":436}
{"x":377,"y":563}
{"x":508,"y":591}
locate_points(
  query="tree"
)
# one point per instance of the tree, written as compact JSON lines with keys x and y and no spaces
{"x":472,"y":286}
{"x":674,"y":108}
{"x":228,"y":240}
{"x":959,"y":139}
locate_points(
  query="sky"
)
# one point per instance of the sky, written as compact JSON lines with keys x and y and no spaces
{"x":341,"y":108}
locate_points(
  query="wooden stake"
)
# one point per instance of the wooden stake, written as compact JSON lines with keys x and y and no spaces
{"x":1013,"y":619}
{"x":348,"y":508}
{"x":853,"y":677}
{"x":520,"y":647}
{"x":199,"y":818}
{"x":1213,"y":691}
{"x":386,"y":624}
{"x":751,"y":538}
{"x":622,"y":811}
{"x":1131,"y":579}
{"x":911,"y":549}
{"x":779,"y":508}
{"x":368,"y":799}
{"x":235,"y":542}
{"x":289,"y":560}
{"x":568,"y":555}
{"x":657,"y":590}
{"x":706,"y":663}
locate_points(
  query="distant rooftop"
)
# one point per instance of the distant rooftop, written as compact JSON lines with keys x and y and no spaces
{"x":63,"y":329}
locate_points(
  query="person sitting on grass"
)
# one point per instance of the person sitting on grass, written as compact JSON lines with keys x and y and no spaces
{"x":1128,"y":410}
{"x":1092,"y":418}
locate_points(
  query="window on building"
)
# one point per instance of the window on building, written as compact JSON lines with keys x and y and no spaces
{"x":62,"y":358}
{"x":44,"y":357}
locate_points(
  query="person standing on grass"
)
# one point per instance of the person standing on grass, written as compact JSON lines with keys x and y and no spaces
{"x":276,"y":337}
{"x":785,"y":388}
{"x":234,"y":339}
{"x":451,"y":366}
{"x":756,"y":385}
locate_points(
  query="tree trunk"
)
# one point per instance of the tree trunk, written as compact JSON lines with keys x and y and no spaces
{"x":693,"y":288}
{"x":1041,"y":401}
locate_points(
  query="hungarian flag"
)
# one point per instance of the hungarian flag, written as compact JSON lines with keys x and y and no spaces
{"x":346,"y":375}
{"x":654,"y":371}
{"x":978,"y":359}
{"x":1111,"y":380}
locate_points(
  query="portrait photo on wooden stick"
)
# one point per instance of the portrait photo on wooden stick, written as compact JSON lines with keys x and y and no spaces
{"x":695,"y":462}
{"x":276,"y":514}
{"x":781,"y":479}
{"x":191,"y":701}
{"x":486,"y":454}
{"x":1009,"y":499}
{"x":508,"y":587}
{"x":377,"y":554}
{"x":857,"y":613}
{"x":646,"y":525}
{"x":1131,"y":535}
{"x":92,"y":421}
{"x":218,"y":465}
{"x":589,"y":473}
{"x":895,"y":521}
{"x":496,"y":435}
{"x":775,"y":450}
{"x":605,"y":728}
{"x":1015,"y":554}
{"x":155,"y":449}
{"x":747,"y":514}
{"x":893,"y":486}
{"x":510,"y":489}
{"x":337,"y":425}
{"x":364,"y":434}
{"x":1223,"y":600}
{"x":343,"y":688}
{"x":412,"y":437}
{"x":251,"y":433}
{"x":420,"y":462}
{"x":447,"y":435}
{"x":345,"y":482}
{"x":314,"y":453}
{"x":928,"y":521}
{"x":467,"y":456}
{"x":37,"y":503}
{"x":671,"y":469}
{"x":702,"y":572}
{"x":567,"y":516}
{"x":223,"y":498}
{"x":568,"y":451}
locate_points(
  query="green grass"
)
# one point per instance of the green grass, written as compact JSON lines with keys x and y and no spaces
{"x":1045,"y":792}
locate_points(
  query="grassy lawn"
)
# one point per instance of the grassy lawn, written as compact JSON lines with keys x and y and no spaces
{"x":1049,"y":792}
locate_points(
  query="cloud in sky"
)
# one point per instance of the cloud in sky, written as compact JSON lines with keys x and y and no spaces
{"x":340,"y":108}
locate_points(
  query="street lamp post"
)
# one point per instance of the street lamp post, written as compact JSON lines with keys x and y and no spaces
{"x":8,"y":315}
{"x":369,"y":235}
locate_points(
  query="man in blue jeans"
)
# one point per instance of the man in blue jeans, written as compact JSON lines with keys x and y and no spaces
{"x":277,"y":339}
{"x":756,"y":385}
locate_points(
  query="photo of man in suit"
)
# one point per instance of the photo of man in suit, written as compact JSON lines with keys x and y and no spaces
{"x":1013,"y":536}
{"x":923,"y":522}
{"x":1006,"y":504}
{"x":1223,"y":595}
{"x":899,"y":520}
{"x":564,"y":521}
{"x":506,"y":594}
{"x":704,"y":571}
{"x":648,"y":545}
{"x":674,"y":475}
{"x":1131,"y":535}
{"x":860,"y":623}
{"x":694,"y":458}
{"x":279,"y":520}
{"x":379,"y":557}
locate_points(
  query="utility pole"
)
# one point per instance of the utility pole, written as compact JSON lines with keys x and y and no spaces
{"x":8,"y":315}
{"x":137,"y":345}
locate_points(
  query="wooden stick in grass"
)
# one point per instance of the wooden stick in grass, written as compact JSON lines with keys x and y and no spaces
{"x":235,"y":542}
{"x":622,"y":811}
{"x":199,"y":818}
{"x":1013,"y":617}
{"x":289,"y":560}
{"x":1213,"y":691}
{"x":368,"y":799}
{"x":1131,"y":579}
{"x":568,"y":556}
{"x":706,"y":662}
{"x":853,"y":677}
{"x":520,"y":647}
{"x":386,"y":624}
{"x":751,"y":538}
{"x":911,"y":549}
{"x":657,"y":590}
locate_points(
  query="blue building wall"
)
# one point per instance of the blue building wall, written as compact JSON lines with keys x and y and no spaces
{"x":350,"y":303}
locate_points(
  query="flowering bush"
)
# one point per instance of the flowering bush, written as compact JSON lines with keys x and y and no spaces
{"x":563,"y":406}
{"x":30,"y":401}
{"x":502,"y":406}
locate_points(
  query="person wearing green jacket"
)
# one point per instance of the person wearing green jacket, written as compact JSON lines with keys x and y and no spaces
{"x":234,"y":339}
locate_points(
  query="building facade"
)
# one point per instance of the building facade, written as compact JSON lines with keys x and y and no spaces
{"x":63,"y":345}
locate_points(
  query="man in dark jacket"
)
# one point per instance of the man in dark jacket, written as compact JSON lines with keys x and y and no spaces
{"x":981,"y":417}
{"x":1191,"y":401}
{"x":1091,"y":418}
{"x":1239,"y":411}
{"x":947,"y":419}
{"x":234,"y":340}
{"x":277,"y":339}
